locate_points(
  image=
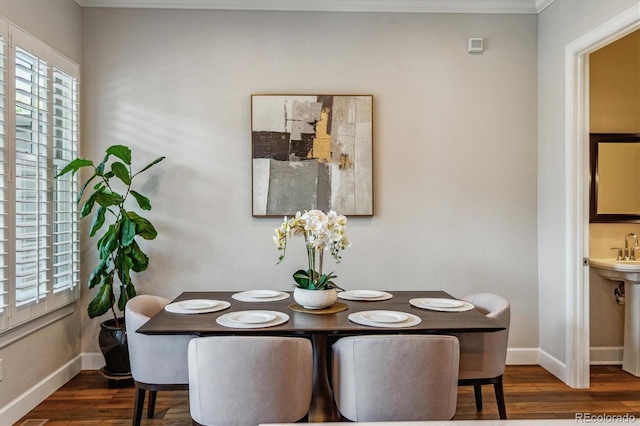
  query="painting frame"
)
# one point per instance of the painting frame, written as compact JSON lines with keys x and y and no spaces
{"x":311,"y":152}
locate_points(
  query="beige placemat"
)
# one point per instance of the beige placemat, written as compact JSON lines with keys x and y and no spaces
{"x":336,"y":307}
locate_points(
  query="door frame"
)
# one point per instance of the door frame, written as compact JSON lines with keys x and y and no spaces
{"x":577,"y":191}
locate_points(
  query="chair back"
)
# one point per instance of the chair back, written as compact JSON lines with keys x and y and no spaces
{"x":396,"y":377}
{"x":483,"y":355}
{"x":247,"y":380}
{"x":154,"y":359}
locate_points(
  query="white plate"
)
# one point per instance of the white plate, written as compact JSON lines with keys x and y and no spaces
{"x":364,"y":295}
{"x":196,"y":304}
{"x":410,"y":321}
{"x":227,"y":321}
{"x":252,"y":317}
{"x":384,"y":316}
{"x":176,"y":308}
{"x":424,"y":303}
{"x":260,"y":296}
{"x":442,"y":303}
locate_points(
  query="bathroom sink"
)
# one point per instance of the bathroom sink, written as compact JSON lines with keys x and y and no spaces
{"x":616,"y":265}
{"x":629,"y":272}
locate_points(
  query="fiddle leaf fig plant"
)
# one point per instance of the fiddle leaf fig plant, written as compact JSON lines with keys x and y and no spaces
{"x":118,"y":250}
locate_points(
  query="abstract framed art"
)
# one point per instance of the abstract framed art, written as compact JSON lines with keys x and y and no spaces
{"x":312,"y":152}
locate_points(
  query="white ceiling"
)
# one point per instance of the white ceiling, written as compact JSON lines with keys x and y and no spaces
{"x":404,"y":6}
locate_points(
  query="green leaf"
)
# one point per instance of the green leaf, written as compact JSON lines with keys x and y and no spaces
{"x":74,"y":166}
{"x":104,"y":299}
{"x":106,"y":198}
{"x":98,"y":273}
{"x":121,"y":171}
{"x":84,"y":187}
{"x":108,"y":243}
{"x":144,"y":228}
{"x":98,"y":220}
{"x":126,"y":292}
{"x":138,"y":258}
{"x":120,"y":151}
{"x":88,"y":205}
{"x":123,"y":265}
{"x":151,"y":164}
{"x":127,"y":230}
{"x":303,"y":280}
{"x":143,"y":201}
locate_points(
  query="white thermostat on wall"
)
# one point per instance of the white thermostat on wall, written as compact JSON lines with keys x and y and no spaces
{"x":475,"y":45}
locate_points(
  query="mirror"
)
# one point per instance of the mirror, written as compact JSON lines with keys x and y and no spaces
{"x":615,"y":177}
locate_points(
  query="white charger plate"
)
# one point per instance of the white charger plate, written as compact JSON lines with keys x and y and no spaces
{"x":260,"y":296}
{"x":384,"y":316}
{"x":440,"y":304}
{"x":364,"y":295}
{"x":178,"y":307}
{"x":239,"y":319}
{"x":196,"y":304}
{"x":251,"y":317}
{"x":390,"y":319}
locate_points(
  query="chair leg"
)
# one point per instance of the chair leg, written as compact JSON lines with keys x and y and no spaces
{"x":152,"y":403}
{"x":502,"y":409}
{"x":477,"y":391}
{"x":138,"y":405}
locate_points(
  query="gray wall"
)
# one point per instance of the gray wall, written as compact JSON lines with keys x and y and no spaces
{"x":454,"y":144}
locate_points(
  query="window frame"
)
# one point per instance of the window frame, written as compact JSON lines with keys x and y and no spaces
{"x":50,"y":159}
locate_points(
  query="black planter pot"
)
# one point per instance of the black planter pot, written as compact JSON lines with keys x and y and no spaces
{"x":113,"y":344}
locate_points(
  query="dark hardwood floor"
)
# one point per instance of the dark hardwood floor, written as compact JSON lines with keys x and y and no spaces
{"x":530,"y":393}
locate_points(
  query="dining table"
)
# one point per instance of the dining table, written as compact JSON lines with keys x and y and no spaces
{"x":321,"y":326}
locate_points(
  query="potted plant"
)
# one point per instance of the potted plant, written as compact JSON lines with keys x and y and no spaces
{"x":118,"y":250}
{"x":321,"y":231}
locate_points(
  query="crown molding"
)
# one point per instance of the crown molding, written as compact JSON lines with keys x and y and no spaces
{"x":399,"y":6}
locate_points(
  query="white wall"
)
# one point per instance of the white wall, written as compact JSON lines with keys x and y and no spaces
{"x":563,"y":22}
{"x":47,"y":353}
{"x":454,"y":144}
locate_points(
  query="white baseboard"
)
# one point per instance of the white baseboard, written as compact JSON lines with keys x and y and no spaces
{"x":523,"y":356}
{"x":553,"y":366}
{"x":605,"y":355}
{"x":20,"y":406}
{"x":92,"y":360}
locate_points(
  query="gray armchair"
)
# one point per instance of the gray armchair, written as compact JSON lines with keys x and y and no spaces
{"x":247,"y":380}
{"x":396,"y":377}
{"x":157,"y":362}
{"x":483,"y":355}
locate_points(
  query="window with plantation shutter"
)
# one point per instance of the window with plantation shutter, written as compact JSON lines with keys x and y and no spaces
{"x":39,"y":213}
{"x":4,"y":219}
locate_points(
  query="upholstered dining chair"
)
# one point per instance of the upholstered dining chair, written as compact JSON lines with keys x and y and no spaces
{"x":157,"y":362}
{"x":247,"y":380}
{"x":395,"y":377}
{"x":483,"y":355}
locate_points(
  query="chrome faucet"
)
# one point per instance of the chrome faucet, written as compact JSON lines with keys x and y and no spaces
{"x":627,"y":253}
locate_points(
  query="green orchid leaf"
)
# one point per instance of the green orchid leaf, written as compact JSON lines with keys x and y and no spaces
{"x":121,"y":171}
{"x":98,"y":220}
{"x":144,"y":228}
{"x":74,"y":166}
{"x":122,"y":152}
{"x":103,"y":300}
{"x":143,"y":201}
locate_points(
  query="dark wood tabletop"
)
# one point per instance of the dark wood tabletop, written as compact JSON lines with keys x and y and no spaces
{"x":433,"y":322}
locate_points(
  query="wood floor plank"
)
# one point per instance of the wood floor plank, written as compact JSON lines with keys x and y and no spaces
{"x":530,"y":393}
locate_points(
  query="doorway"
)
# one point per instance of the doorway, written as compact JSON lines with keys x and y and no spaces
{"x":577,"y":137}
